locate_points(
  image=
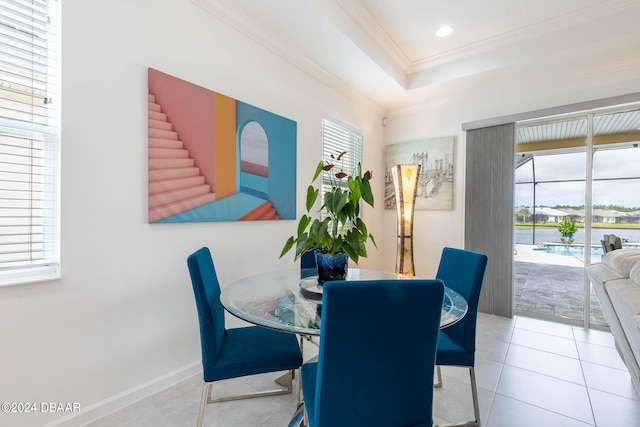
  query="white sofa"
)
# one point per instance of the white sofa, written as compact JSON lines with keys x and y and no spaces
{"x":616,"y":281}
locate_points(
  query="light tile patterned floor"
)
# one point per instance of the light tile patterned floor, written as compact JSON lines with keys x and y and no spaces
{"x":530,"y":373}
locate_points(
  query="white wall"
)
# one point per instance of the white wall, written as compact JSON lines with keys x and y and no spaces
{"x":123,"y":315}
{"x":517,"y":89}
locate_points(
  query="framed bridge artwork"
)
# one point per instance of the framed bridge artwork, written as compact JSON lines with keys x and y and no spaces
{"x":214,"y":158}
{"x":435,"y":185}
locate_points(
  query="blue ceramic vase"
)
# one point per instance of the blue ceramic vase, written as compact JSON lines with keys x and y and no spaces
{"x":567,"y":238}
{"x":331,"y":266}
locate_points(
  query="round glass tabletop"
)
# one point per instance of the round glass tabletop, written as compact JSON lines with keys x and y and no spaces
{"x":291,"y":300}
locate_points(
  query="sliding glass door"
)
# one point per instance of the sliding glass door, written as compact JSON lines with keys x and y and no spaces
{"x":616,"y":184}
{"x":550,"y":189}
{"x":578,"y":171}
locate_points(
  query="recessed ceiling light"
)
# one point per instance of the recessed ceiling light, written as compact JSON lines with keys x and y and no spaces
{"x":444,"y":31}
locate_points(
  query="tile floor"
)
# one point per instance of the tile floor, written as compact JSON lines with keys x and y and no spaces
{"x":530,"y":373}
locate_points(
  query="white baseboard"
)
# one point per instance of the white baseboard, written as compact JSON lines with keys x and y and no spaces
{"x":114,"y":403}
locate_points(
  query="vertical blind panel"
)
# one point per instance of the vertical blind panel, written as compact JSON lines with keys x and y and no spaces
{"x":489,"y":183}
{"x":29,"y":141}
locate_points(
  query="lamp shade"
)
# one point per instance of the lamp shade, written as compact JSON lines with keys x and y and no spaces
{"x":405,"y":183}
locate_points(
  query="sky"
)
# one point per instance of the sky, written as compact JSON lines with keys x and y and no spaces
{"x":254,"y":144}
{"x":608,"y":166}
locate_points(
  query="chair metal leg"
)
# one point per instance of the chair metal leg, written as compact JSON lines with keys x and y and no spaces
{"x":206,"y":394}
{"x":204,"y":398}
{"x":284,"y":379}
{"x":439,"y":375}
{"x":476,"y":406}
{"x":298,"y":417}
{"x":288,"y":389}
{"x":298,"y":377}
{"x":474,"y":393}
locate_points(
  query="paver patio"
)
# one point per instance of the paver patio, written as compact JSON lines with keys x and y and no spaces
{"x":551,"y":285}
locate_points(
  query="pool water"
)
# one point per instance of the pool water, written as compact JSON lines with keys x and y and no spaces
{"x":573,"y":251}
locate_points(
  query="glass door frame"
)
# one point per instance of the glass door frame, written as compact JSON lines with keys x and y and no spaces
{"x":588,"y":201}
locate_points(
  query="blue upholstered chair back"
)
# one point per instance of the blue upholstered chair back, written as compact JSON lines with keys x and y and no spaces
{"x":377,"y":353}
{"x":210,"y":311}
{"x":463,"y":271}
{"x":308,"y":260}
{"x":308,"y":264}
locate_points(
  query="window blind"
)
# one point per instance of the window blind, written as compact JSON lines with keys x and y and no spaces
{"x":336,"y":138}
{"x":488,"y":228}
{"x":29,"y":141}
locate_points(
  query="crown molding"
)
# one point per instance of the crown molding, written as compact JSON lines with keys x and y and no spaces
{"x":361,"y":15}
{"x":370,"y":25}
{"x":370,"y":44}
{"x":231,"y":16}
{"x":581,"y":16}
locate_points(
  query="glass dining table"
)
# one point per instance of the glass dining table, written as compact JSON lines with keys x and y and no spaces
{"x":291,"y":300}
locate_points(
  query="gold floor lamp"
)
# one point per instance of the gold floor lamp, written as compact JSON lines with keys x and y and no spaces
{"x":405,"y":183}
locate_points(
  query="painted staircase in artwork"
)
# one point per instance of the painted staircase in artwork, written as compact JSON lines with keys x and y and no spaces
{"x":175,"y":183}
{"x":265,"y":211}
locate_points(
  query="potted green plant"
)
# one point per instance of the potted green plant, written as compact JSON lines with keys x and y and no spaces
{"x":341,"y":233}
{"x":567,"y":229}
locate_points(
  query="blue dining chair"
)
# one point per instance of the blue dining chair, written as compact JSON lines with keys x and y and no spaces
{"x":237,"y":352}
{"x":308,"y":264}
{"x":463,"y":271}
{"x":376,"y":359}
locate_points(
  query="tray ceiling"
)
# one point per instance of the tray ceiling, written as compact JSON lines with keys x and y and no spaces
{"x":387,"y":52}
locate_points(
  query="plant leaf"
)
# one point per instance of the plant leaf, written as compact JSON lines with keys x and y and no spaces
{"x":355,"y":187}
{"x":352,"y":255}
{"x":287,"y":246}
{"x":301,"y":245}
{"x":312,"y":196}
{"x":339,"y":200}
{"x":304,"y":222}
{"x":373,"y":240}
{"x":319,"y":169}
{"x":318,"y":232}
{"x":367,"y":194}
{"x":361,"y":226}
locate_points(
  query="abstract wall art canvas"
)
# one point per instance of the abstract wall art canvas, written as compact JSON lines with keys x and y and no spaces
{"x":214,"y":158}
{"x":435,"y":186}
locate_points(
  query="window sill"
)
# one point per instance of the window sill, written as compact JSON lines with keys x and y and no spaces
{"x":29,"y":275}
